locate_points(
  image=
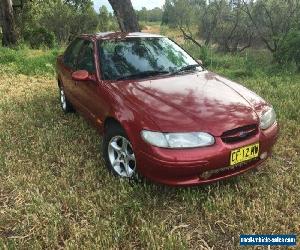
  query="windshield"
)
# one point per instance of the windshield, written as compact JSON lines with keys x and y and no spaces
{"x":143,"y":57}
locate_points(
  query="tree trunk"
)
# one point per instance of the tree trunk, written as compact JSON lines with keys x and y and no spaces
{"x":126,"y":15}
{"x":8,"y":23}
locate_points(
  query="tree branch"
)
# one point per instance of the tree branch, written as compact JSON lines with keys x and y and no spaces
{"x":247,"y":11}
{"x":189,"y":37}
{"x":247,"y":45}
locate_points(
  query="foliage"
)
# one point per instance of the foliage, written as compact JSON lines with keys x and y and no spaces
{"x":273,"y":20}
{"x":56,"y":193}
{"x":168,"y":17}
{"x":65,"y":19}
{"x":178,"y":13}
{"x":289,"y":50}
{"x":202,"y":53}
{"x":103,"y":18}
{"x":66,"y":23}
{"x":40,"y":37}
{"x":154,"y":15}
{"x":107,"y":21}
{"x":79,"y":4}
{"x":220,"y":22}
{"x":234,"y":25}
{"x":227,"y":25}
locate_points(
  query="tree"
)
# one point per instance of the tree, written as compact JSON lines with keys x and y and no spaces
{"x":155,"y":15}
{"x":289,"y":50}
{"x":227,"y":25}
{"x":125,"y":14}
{"x":8,"y":23}
{"x":167,"y":13}
{"x":234,"y":25}
{"x":273,"y":20}
{"x":65,"y":19}
{"x":181,"y":14}
{"x":79,"y":4}
{"x":142,"y":14}
{"x":210,"y":17}
{"x":107,"y":21}
{"x":103,"y":18}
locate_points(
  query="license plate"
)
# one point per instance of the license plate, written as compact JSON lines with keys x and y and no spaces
{"x":244,"y":154}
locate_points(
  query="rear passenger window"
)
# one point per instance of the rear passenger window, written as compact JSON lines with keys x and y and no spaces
{"x":71,"y":54}
{"x":86,"y":58}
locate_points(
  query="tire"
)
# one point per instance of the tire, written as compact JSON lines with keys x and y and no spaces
{"x":65,"y":104}
{"x":118,"y":153}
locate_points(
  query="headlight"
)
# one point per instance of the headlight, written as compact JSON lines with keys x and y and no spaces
{"x":267,"y":119}
{"x":178,"y":140}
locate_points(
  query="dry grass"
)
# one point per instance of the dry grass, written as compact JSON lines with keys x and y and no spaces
{"x":152,"y":28}
{"x":56,"y":193}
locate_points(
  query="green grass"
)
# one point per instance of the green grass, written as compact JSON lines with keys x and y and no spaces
{"x":55,"y":191}
{"x":28,"y":62}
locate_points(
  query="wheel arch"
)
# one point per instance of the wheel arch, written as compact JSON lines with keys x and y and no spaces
{"x":111,"y":121}
{"x":127,"y":126}
{"x":59,"y":81}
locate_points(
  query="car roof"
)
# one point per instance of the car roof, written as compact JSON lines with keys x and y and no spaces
{"x":117,"y":35}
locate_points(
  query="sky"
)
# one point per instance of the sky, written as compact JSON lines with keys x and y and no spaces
{"x":137,"y":4}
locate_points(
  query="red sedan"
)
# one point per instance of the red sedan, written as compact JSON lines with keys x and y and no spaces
{"x":162,"y":114}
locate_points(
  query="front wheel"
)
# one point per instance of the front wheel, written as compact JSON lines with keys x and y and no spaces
{"x":118,"y":153}
{"x":64,"y":102}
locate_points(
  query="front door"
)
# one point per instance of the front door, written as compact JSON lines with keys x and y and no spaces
{"x":89,"y":92}
{"x":69,"y":66}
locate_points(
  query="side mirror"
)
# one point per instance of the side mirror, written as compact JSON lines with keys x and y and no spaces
{"x":80,"y":75}
{"x":199,"y":61}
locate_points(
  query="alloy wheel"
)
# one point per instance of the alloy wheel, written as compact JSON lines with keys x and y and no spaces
{"x":63,"y":99}
{"x":121,"y":156}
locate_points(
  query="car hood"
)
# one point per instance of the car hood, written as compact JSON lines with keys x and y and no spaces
{"x":202,"y":101}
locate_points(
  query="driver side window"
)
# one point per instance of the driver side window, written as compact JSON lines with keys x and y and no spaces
{"x":86,"y":58}
{"x":71,"y":54}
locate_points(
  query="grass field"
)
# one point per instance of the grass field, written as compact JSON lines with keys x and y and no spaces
{"x":56,"y":193}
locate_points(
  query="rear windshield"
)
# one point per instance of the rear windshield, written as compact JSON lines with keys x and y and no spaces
{"x":134,"y":56}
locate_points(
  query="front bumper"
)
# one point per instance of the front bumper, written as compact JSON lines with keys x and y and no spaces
{"x":197,"y":166}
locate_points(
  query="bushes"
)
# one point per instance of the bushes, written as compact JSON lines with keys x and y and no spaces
{"x":40,"y":37}
{"x":197,"y":52}
{"x":66,"y":22}
{"x":28,"y":62}
{"x":289,"y":51}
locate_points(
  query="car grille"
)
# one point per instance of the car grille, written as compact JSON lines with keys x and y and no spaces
{"x":239,"y":134}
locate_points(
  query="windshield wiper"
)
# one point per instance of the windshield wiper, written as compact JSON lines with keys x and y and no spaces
{"x":186,"y":68}
{"x":143,"y":74}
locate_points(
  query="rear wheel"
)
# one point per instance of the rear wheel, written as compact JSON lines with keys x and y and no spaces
{"x":118,"y":153}
{"x":64,"y":102}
